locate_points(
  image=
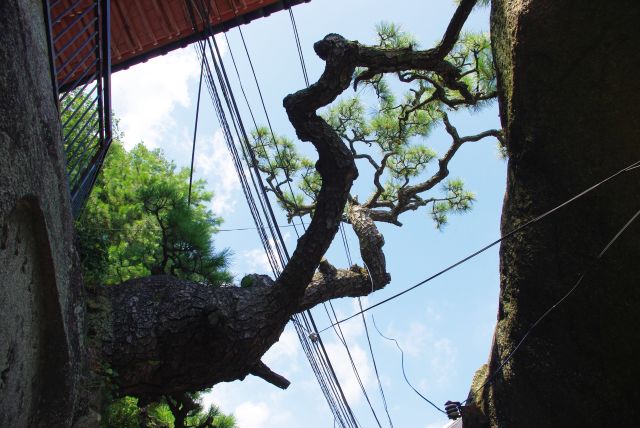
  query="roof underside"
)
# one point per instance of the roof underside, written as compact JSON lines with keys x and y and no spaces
{"x":143,"y":29}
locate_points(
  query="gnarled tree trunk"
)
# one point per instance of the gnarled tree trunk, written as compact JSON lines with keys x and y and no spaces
{"x":165,"y":336}
{"x":567,"y":80}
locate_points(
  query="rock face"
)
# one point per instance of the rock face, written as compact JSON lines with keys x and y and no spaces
{"x":567,"y":77}
{"x":40,"y":291}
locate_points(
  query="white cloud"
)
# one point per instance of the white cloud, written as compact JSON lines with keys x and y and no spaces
{"x":443,"y":361}
{"x":222,"y":44}
{"x":413,"y":340}
{"x":256,"y":260}
{"x":271,"y":410}
{"x":252,"y":415}
{"x":213,"y":162}
{"x":420,"y":342}
{"x":145,"y":96}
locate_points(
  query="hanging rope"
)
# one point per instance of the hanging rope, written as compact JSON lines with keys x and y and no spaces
{"x":404,"y":373}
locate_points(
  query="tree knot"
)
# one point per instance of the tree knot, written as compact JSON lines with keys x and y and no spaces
{"x":325,"y":46}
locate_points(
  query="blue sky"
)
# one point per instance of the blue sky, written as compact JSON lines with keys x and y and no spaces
{"x":445,"y":326}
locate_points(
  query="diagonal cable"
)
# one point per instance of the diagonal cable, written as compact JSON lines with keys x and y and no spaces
{"x":508,"y":235}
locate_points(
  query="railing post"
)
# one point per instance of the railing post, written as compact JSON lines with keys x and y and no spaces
{"x":100,"y":66}
{"x":52,"y":51}
{"x":106,"y":75}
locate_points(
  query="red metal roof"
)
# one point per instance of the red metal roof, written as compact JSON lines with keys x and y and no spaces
{"x":142,"y":29}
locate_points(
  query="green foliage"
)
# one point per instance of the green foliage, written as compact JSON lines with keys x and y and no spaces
{"x":279,"y":159}
{"x":407,"y":162}
{"x":457,"y":200}
{"x":247,"y":281}
{"x":138,"y":222}
{"x":122,"y":413}
{"x":390,"y":133}
{"x":472,"y":55}
{"x":217,"y":418}
{"x":125,"y":413}
{"x":392,"y":35}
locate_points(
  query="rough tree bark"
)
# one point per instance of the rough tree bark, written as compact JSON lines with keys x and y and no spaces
{"x":165,"y":336}
{"x":567,"y":81}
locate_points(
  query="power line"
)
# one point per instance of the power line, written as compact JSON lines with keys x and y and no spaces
{"x":315,"y":351}
{"x":404,"y":373}
{"x":342,"y":339}
{"x":321,"y":349}
{"x":375,"y":365}
{"x":497,"y":241}
{"x":345,"y":244}
{"x":218,"y":107}
{"x":264,"y":107}
{"x":195,"y":131}
{"x":323,"y":354}
{"x":299,"y":46}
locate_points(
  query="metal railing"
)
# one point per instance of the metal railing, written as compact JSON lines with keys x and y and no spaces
{"x":79,"y":42}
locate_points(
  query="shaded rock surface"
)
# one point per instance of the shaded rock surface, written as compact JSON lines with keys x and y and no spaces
{"x":40,"y":292}
{"x":567,"y":78}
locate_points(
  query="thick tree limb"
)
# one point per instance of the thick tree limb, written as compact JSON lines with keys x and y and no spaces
{"x":380,"y":60}
{"x":168,"y":336}
{"x":335,"y":163}
{"x":165,"y":336}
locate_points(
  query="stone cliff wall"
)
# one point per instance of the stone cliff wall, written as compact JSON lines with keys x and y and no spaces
{"x":41,"y":308}
{"x":568,"y":85}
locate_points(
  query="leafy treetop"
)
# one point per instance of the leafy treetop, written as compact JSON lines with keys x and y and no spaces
{"x":391,"y":137}
{"x":138,"y":222}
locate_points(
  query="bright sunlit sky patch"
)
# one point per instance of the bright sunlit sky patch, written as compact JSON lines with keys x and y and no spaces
{"x":444,"y":327}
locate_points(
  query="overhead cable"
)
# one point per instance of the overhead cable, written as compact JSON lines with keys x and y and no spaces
{"x":404,"y":373}
{"x":591,"y":266}
{"x":345,"y":244}
{"x":315,"y":351}
{"x":486,"y":247}
{"x":307,"y":314}
{"x":195,"y":131}
{"x":342,"y":339}
{"x":266,"y":113}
